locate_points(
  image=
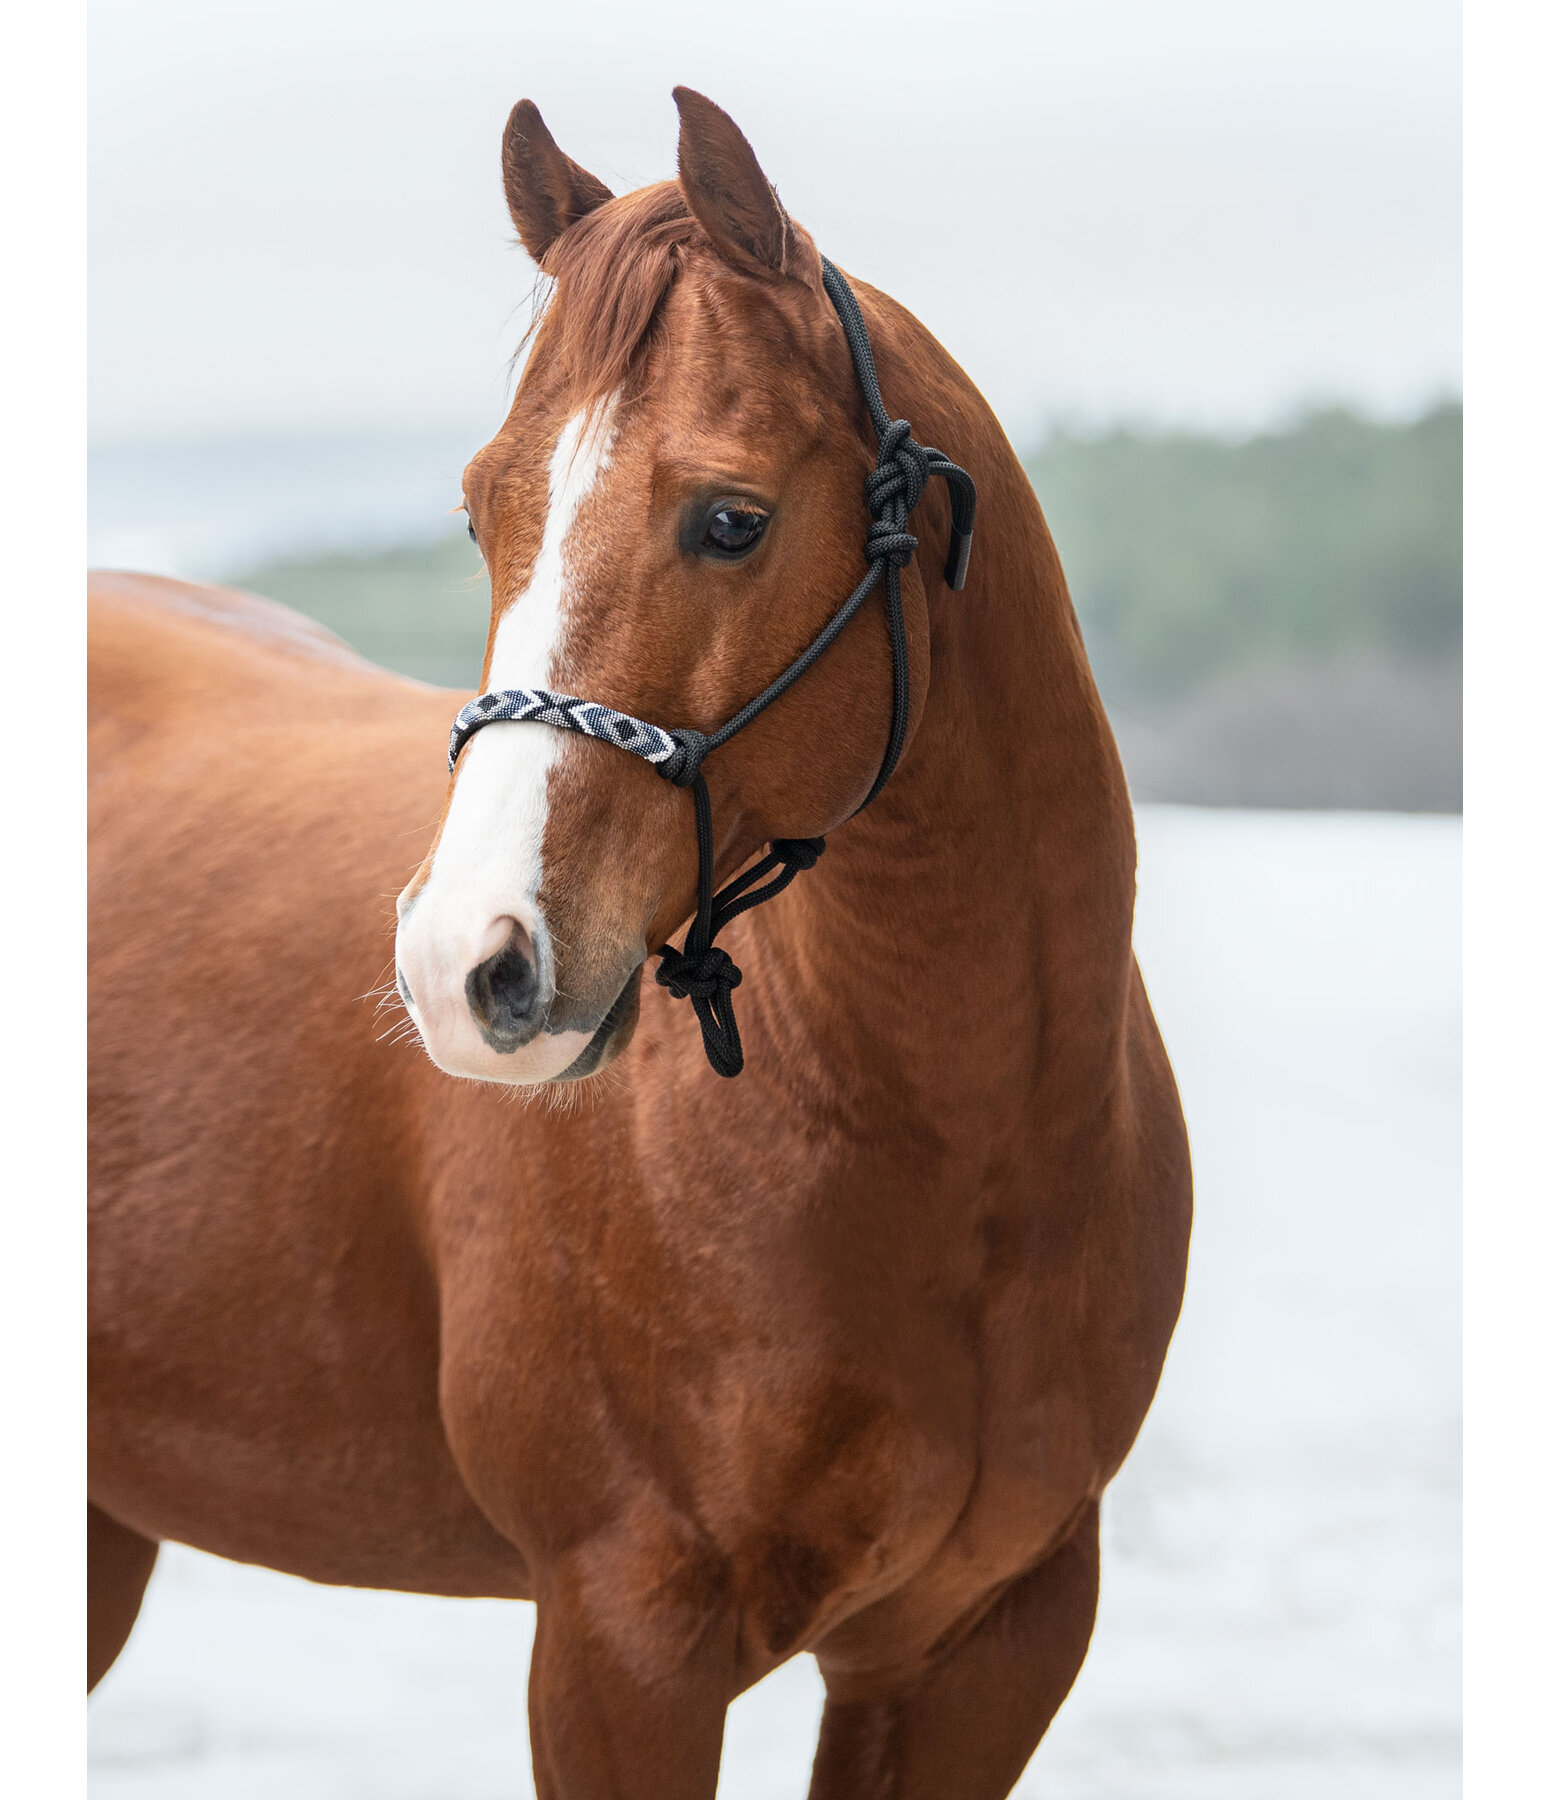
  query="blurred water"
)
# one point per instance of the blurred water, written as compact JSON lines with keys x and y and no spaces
{"x":1279,"y":1618}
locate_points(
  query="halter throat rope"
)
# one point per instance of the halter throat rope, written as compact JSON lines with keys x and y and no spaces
{"x":702,"y":972}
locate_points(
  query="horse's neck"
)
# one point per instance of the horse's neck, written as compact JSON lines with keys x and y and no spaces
{"x":965,"y":942}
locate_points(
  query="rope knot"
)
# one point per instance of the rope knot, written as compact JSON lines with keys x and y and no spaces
{"x":704,"y":975}
{"x":797,"y":853}
{"x":683,"y":766}
{"x":888,"y":543}
{"x":894,"y":487}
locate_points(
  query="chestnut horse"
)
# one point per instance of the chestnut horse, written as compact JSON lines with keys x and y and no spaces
{"x":836,"y":1356}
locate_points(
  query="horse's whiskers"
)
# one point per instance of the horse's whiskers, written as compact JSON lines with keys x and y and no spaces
{"x":386,"y":988}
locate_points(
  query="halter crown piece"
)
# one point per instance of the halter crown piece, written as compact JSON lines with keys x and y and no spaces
{"x":701,"y":972}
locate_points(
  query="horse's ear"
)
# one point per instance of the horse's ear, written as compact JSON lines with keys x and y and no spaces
{"x":732,"y":198}
{"x":545,"y":190}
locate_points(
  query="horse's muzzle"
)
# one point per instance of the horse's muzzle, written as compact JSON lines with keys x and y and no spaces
{"x":485,"y":999}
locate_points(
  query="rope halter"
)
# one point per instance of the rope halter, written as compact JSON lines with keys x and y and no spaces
{"x":701,"y":972}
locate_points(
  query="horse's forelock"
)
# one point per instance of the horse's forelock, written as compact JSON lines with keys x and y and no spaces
{"x":612,"y":270}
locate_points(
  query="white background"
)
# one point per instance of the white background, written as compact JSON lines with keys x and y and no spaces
{"x":1209,"y":210}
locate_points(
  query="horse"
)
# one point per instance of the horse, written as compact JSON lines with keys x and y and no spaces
{"x":836,"y":1356}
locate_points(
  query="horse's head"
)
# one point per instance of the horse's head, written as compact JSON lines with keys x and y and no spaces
{"x":670,"y":513}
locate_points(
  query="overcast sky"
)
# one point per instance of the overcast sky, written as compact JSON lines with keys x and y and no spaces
{"x":1200,"y":211}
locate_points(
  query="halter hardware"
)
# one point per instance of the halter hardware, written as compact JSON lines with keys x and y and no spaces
{"x":701,"y":972}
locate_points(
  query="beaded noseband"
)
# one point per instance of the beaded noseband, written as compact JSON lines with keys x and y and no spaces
{"x":702,"y":972}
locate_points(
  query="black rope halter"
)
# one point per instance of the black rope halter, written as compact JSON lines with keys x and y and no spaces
{"x":702,"y":972}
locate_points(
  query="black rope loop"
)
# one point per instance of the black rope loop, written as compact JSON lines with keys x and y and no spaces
{"x":706,"y":978}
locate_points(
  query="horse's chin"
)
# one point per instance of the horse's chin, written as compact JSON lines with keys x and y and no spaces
{"x":546,"y":1058}
{"x":612,"y":1036}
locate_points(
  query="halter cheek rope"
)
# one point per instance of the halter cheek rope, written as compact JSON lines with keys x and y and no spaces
{"x":701,"y":972}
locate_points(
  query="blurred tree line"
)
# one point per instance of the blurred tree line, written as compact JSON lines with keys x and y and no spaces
{"x":423,"y":609}
{"x":1189,"y":556}
{"x":1277,"y":621}
{"x":1272,"y":622}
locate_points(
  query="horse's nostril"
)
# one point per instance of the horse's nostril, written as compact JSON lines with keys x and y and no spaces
{"x":503,"y":993}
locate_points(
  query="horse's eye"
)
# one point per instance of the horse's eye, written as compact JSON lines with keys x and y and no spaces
{"x":733,"y":530}
{"x":473,"y":535}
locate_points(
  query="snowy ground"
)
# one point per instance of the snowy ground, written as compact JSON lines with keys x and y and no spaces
{"x":1280,"y":1607}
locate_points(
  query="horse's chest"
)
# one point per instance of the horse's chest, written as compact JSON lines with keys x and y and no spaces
{"x":813,"y":1444}
{"x":925,"y":1465}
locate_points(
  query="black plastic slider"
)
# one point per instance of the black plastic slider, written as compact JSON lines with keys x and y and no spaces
{"x":958,"y":548}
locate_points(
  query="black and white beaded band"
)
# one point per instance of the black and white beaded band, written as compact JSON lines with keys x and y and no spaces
{"x":536,"y":706}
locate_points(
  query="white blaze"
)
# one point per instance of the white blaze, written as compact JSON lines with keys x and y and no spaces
{"x":488,"y":864}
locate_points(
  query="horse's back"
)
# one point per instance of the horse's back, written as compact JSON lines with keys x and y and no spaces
{"x":205,"y":697}
{"x":157,"y":647}
{"x":259,"y":793}
{"x":251,"y":777}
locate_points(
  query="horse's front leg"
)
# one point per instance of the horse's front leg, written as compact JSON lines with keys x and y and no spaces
{"x":632,"y":1674}
{"x":964,"y":1727}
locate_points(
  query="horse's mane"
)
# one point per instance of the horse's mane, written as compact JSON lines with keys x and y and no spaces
{"x":611,"y":272}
